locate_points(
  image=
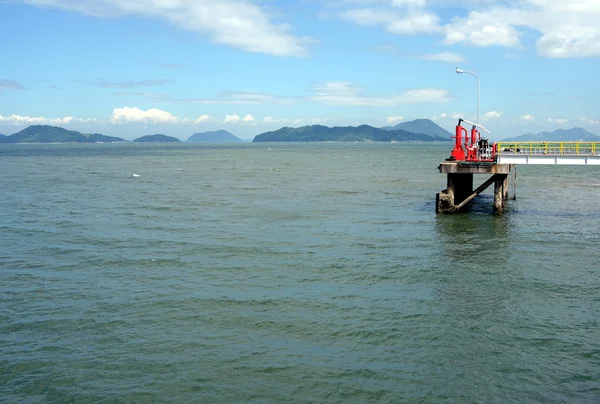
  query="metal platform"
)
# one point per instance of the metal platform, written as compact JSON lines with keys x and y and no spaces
{"x":549,"y":153}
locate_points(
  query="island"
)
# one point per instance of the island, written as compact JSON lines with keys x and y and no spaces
{"x":215,"y":136}
{"x":158,"y":138}
{"x":55,"y":134}
{"x":559,"y":135}
{"x":363,"y":133}
{"x":425,"y":126}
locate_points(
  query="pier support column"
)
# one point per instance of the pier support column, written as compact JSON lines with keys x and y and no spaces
{"x":444,"y":201}
{"x":462,"y":185}
{"x":458,"y":188}
{"x":459,"y":192}
{"x":499,"y":193}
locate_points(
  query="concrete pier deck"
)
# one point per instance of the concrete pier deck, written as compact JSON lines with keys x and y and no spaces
{"x":454,"y":167}
{"x":459,"y":191}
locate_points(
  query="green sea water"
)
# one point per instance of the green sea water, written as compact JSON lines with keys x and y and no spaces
{"x":267,"y":273}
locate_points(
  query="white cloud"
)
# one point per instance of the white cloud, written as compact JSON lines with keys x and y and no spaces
{"x":559,"y":121}
{"x":566,"y":28}
{"x":238,"y":23}
{"x":492,"y":115}
{"x":151,"y":116}
{"x":450,"y":116}
{"x":481,"y":29}
{"x":291,"y":121}
{"x":561,"y":28}
{"x":449,"y":57}
{"x":202,"y":118}
{"x":594,"y":122}
{"x":527,"y":117}
{"x":347,"y":94}
{"x":570,"y":41}
{"x":413,"y":22}
{"x":394,"y":119}
{"x":232,"y":119}
{"x":237,"y":119}
{"x":410,"y":3}
{"x":40,"y":120}
{"x":582,"y":118}
{"x":271,"y":120}
{"x":330,"y":93}
{"x":136,"y":115}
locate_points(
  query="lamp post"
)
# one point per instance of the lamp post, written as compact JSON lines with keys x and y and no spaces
{"x":460,"y":71}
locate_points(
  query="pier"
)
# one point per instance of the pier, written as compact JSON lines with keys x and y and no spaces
{"x":474,"y":155}
{"x":459,"y":191}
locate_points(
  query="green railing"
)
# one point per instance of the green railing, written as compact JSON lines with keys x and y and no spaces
{"x":549,"y":148}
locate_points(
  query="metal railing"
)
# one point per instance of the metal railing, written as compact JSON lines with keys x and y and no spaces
{"x":549,"y":148}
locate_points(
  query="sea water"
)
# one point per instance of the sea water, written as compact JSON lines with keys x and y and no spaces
{"x":291,"y":273}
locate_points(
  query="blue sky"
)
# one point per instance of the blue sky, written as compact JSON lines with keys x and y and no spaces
{"x":134,"y":67}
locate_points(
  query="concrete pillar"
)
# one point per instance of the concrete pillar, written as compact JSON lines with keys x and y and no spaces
{"x":444,"y":202}
{"x":450,"y":187}
{"x":459,"y":192}
{"x":499,"y":193}
{"x":461,"y":185}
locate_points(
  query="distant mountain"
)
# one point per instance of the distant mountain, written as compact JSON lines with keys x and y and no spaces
{"x":217,"y":136}
{"x":98,"y":138}
{"x":55,"y":134}
{"x":157,"y":139}
{"x":319,"y":133}
{"x":559,"y":135}
{"x":425,"y":126}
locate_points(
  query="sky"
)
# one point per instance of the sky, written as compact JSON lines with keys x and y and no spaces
{"x":130,"y":68}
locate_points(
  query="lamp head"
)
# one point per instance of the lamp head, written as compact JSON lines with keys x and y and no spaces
{"x":459,"y":71}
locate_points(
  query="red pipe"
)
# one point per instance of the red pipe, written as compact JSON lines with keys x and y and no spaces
{"x":458,"y":153}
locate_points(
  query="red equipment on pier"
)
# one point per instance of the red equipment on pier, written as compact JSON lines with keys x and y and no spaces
{"x":473,"y":150}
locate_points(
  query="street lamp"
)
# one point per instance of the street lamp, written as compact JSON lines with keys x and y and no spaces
{"x":460,"y":71}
